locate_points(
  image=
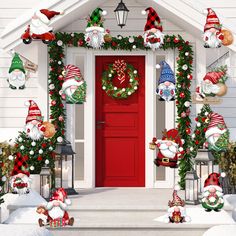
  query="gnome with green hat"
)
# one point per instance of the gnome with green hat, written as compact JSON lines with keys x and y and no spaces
{"x":94,"y":33}
{"x":16,"y":78}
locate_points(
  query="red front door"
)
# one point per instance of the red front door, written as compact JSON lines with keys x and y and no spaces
{"x":120,"y":130}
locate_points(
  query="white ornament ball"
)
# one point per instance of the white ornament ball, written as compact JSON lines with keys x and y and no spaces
{"x":123,"y":89}
{"x":10,"y":157}
{"x":131,"y":40}
{"x":185,"y":67}
{"x":191,"y":149}
{"x":104,"y":12}
{"x":50,"y":148}
{"x":181,"y":149}
{"x":193,"y":135}
{"x":158,"y":66}
{"x":206,"y":113}
{"x":22,"y":147}
{"x":40,"y":151}
{"x":186,"y":54}
{"x":135,"y":72}
{"x":115,"y":88}
{"x":59,"y":62}
{"x":198,"y":124}
{"x":129,"y":93}
{"x":110,"y":75}
{"x":51,"y":86}
{"x":120,"y":37}
{"x":31,"y":152}
{"x":20,"y":139}
{"x":103,"y":87}
{"x":49,"y":81}
{"x":31,"y":167}
{"x":223,"y":174}
{"x":4,"y":178}
{"x":131,"y":80}
{"x":179,"y":86}
{"x":143,"y":12}
{"x":60,"y":139}
{"x":134,"y":46}
{"x":33,"y":144}
{"x":46,"y":161}
{"x":187,"y":104}
{"x":72,"y":34}
{"x":59,"y":43}
{"x":135,"y":87}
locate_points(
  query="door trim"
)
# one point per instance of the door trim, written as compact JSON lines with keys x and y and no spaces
{"x":150,"y":113}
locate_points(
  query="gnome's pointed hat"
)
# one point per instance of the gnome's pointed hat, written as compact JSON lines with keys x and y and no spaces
{"x":166,"y":73}
{"x":212,"y":181}
{"x":46,"y":15}
{"x":177,"y":201}
{"x":216,"y":123}
{"x":20,"y":166}
{"x":95,"y":20}
{"x":34,"y":112}
{"x":214,"y":76}
{"x":16,"y":63}
{"x":212,"y":21}
{"x":60,"y":195}
{"x":153,"y":20}
{"x":172,"y":135}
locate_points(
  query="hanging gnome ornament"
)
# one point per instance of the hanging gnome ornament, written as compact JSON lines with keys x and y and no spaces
{"x":217,"y":134}
{"x":57,"y":209}
{"x":95,"y":31}
{"x":212,"y":193}
{"x":176,"y":211}
{"x":20,"y":181}
{"x":153,"y":36}
{"x":166,"y":83}
{"x":213,"y":84}
{"x":34,"y":128}
{"x":74,"y":87}
{"x":17,"y":75}
{"x":212,"y":31}
{"x":170,"y":149}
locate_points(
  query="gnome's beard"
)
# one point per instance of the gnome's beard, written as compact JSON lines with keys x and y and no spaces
{"x":25,"y":179}
{"x":166,"y":92}
{"x":209,"y":88}
{"x":153,"y":40}
{"x":33,"y":131}
{"x":17,"y":78}
{"x":70,"y":86}
{"x":211,"y":39}
{"x":171,"y":210}
{"x":212,"y":139}
{"x":95,"y":39}
{"x":168,"y":151}
{"x":56,"y":212}
{"x":39,"y":27}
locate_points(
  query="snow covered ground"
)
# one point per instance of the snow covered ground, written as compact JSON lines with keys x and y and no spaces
{"x":226,"y":230}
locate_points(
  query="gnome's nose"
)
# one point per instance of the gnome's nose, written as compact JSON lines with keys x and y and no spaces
{"x":167,"y":83}
{"x":168,"y":144}
{"x":216,"y":135}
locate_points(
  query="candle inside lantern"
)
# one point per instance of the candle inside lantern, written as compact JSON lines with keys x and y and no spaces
{"x":46,"y":192}
{"x":65,"y":172}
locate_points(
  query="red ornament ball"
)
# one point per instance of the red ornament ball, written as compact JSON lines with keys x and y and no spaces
{"x":197,"y":142}
{"x":188,"y":130}
{"x":196,"y":119}
{"x":190,"y":77}
{"x":182,"y":95}
{"x":205,"y":129}
{"x":44,"y":145}
{"x":197,"y":131}
{"x":176,"y":40}
{"x":40,"y":158}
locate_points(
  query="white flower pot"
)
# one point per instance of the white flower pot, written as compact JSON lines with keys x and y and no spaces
{"x":35,"y":182}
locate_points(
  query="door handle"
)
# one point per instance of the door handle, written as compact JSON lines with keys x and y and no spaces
{"x":100,"y":122}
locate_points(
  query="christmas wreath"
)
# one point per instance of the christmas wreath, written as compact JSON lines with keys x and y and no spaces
{"x":120,"y":69}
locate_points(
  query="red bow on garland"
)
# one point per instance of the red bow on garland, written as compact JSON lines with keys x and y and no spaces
{"x":119,"y":66}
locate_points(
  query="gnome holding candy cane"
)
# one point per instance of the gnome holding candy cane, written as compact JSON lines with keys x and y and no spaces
{"x":212,"y":195}
{"x":212,"y":31}
{"x":170,"y":149}
{"x":217,"y":134}
{"x":176,"y":212}
{"x":153,"y":36}
{"x":20,"y":181}
{"x":57,"y":206}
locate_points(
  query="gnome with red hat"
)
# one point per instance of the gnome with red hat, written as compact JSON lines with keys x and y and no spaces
{"x":212,"y":195}
{"x":170,"y":149}
{"x":57,"y":209}
{"x":176,"y":211}
{"x":153,"y":36}
{"x":20,"y":181}
{"x":212,"y":31}
{"x":40,"y":21}
{"x":74,"y":87}
{"x":217,"y":134}
{"x":213,"y":84}
{"x":33,"y":127}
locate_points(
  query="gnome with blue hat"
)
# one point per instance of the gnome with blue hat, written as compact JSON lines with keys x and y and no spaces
{"x":95,"y":32}
{"x":166,"y":83}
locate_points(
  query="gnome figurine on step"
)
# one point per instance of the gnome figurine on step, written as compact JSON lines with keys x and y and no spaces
{"x":166,"y":83}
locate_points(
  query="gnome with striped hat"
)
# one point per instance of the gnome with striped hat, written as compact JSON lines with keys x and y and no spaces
{"x":212,"y":31}
{"x":212,"y":195}
{"x":217,"y":134}
{"x":34,"y":121}
{"x":153,"y":36}
{"x":74,"y":87}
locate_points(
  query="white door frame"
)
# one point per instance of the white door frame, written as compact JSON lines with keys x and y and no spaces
{"x":150,"y":113}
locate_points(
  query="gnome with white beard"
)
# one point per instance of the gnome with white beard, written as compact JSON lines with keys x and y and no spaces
{"x":212,"y":31}
{"x":153,"y":36}
{"x":74,"y":87}
{"x":170,"y":149}
{"x":57,"y":209}
{"x":20,"y":181}
{"x":34,"y":127}
{"x":217,"y":134}
{"x":95,"y":32}
{"x":17,"y":76}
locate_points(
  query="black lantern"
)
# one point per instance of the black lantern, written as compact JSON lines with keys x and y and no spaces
{"x":121,"y":14}
{"x":45,"y":182}
{"x":64,"y":152}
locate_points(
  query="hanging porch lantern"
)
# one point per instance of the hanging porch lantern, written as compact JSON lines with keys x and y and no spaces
{"x":121,"y":14}
{"x":64,"y":152}
{"x":191,"y":188}
{"x":45,"y":182}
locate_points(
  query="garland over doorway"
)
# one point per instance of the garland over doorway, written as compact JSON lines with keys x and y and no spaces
{"x":183,"y":76}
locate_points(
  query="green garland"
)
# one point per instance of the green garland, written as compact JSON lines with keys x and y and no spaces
{"x":184,"y":77}
{"x":120,"y":93}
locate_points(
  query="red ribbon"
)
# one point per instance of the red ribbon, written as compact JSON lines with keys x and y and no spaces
{"x":119,"y":66}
